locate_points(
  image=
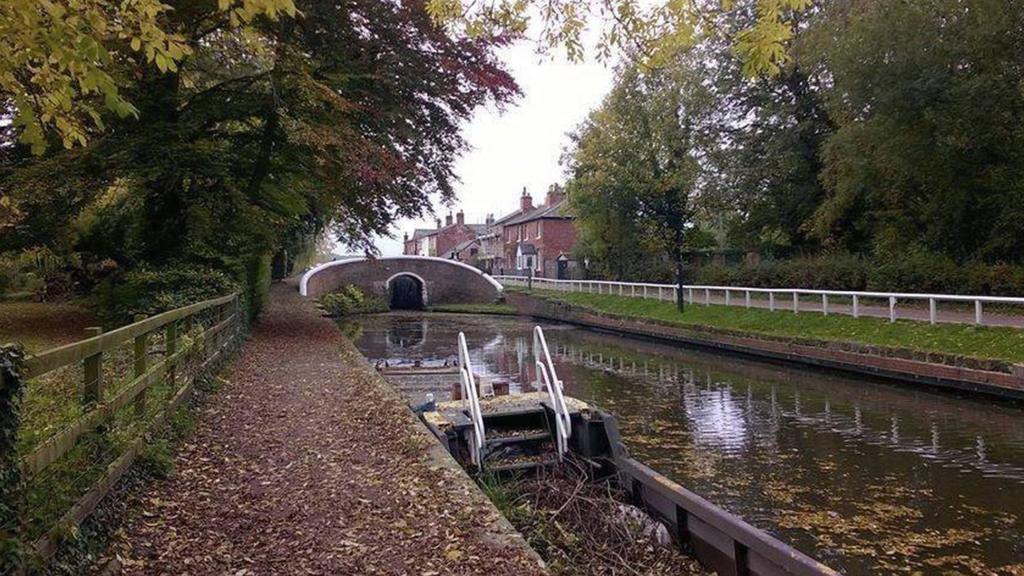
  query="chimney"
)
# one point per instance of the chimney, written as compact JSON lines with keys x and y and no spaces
{"x":460,"y":218}
{"x":489,"y":220}
{"x":438,"y":222}
{"x":448,"y":219}
{"x":555,"y":194}
{"x":526,"y":201}
{"x":405,"y":237}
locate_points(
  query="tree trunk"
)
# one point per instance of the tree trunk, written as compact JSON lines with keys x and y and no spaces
{"x":680,"y":300}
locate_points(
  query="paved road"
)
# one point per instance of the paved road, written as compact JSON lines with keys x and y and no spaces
{"x":307,"y":462}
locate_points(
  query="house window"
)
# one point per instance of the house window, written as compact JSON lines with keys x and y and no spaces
{"x":538,"y":229}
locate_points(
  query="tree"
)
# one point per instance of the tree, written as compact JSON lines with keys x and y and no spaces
{"x":638,"y":155}
{"x":347,"y":117}
{"x":656,"y":34}
{"x":764,"y":137}
{"x":928,"y":150}
{"x":63,"y":63}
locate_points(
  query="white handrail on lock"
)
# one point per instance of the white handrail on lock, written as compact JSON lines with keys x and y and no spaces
{"x":471,"y":401}
{"x":546,"y":374}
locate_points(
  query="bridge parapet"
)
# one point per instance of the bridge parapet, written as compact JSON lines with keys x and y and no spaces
{"x":442,"y":281}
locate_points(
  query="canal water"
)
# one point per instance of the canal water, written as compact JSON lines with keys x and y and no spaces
{"x":866,"y":476}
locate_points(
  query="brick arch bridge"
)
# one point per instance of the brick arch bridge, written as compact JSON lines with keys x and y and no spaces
{"x":439,"y":281}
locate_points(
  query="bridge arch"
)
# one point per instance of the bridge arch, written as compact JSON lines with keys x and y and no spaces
{"x":407,"y":291}
{"x":441,"y":281}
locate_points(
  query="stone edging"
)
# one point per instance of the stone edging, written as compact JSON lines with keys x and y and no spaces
{"x":960,"y":373}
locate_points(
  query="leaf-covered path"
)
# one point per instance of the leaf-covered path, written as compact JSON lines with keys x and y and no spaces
{"x":306,"y":462}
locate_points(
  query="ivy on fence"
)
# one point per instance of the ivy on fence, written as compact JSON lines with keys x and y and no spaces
{"x":11,"y":388}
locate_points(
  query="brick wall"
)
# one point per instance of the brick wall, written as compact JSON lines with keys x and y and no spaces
{"x":446,"y":283}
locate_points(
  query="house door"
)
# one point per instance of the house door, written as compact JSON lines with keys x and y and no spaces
{"x":563,"y":269}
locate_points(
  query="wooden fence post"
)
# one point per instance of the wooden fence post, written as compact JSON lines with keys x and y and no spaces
{"x":92,"y":392}
{"x":237,"y":324}
{"x":171,"y":347}
{"x":141,"y":362}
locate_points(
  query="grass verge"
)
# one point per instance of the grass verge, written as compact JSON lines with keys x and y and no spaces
{"x":957,"y":339}
{"x":500,"y":309}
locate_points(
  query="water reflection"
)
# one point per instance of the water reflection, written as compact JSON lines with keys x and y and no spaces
{"x":405,"y":335}
{"x":869,"y":477}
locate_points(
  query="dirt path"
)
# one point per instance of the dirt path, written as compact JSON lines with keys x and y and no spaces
{"x":306,"y":462}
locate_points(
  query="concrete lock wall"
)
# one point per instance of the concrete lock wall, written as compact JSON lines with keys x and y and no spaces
{"x":444,"y":281}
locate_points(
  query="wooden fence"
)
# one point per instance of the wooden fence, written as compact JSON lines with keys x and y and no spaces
{"x":129,"y":381}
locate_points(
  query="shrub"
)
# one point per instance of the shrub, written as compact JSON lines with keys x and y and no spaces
{"x":909,"y":272}
{"x":350,"y":299}
{"x":151,"y":291}
{"x":917,"y":272}
{"x":40,"y":272}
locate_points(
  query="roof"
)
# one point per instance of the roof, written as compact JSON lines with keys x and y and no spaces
{"x":463,"y":245}
{"x":421,"y":232}
{"x":506,"y":217}
{"x":557,"y":210}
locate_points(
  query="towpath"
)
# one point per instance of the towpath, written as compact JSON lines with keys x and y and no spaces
{"x":306,"y":462}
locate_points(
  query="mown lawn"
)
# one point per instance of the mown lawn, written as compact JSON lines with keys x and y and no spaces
{"x":42,"y":325}
{"x":969,"y":340}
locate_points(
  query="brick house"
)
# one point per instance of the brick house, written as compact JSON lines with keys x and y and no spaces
{"x":422,"y":243}
{"x":540,"y":238}
{"x":492,"y":243}
{"x":442,"y":240}
{"x":467,"y":251}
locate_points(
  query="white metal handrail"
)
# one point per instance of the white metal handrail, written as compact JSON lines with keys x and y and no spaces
{"x":669,"y":291}
{"x":546,"y":374}
{"x":471,"y":401}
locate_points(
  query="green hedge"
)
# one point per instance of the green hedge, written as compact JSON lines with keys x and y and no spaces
{"x":258,"y":277}
{"x":151,"y":291}
{"x":914,"y":272}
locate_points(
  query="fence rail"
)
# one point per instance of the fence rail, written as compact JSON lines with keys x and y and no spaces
{"x":115,"y":378}
{"x":778,"y":298}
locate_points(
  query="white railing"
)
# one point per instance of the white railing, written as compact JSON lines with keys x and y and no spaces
{"x":547,"y":376}
{"x":704,"y":293}
{"x":471,"y":401}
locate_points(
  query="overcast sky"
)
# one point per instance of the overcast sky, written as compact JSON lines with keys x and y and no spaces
{"x":521,"y":146}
